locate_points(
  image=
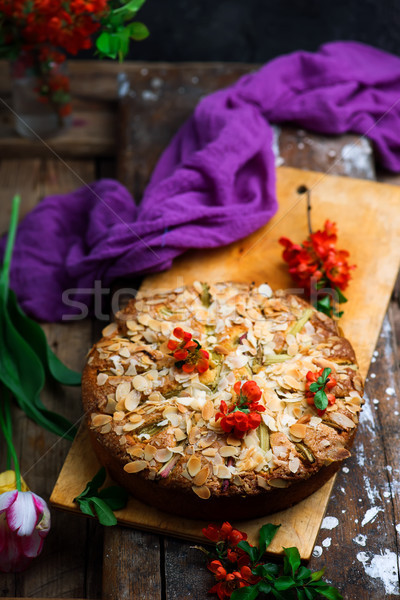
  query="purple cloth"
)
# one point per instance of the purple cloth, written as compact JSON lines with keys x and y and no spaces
{"x":214,"y":184}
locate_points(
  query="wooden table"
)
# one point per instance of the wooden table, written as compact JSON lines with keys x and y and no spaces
{"x":140,"y":565}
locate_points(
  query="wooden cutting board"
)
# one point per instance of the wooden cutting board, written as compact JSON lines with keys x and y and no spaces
{"x":368,"y":218}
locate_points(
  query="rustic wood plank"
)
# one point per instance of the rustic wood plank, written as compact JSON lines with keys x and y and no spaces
{"x":131,"y":569}
{"x":60,"y":570}
{"x":154,"y":103}
{"x":364,"y":508}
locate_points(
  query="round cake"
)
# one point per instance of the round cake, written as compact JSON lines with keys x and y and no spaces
{"x":221,"y":401}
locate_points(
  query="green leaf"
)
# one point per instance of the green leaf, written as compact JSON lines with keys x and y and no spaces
{"x":108,"y":44}
{"x":285,"y":582}
{"x":325,"y":374}
{"x":303,"y":573}
{"x":342,"y":299}
{"x":310,"y":593}
{"x":104,"y":512}
{"x":292,"y":556}
{"x":84,"y":506}
{"x":36,"y":338}
{"x":264,"y":587}
{"x":93,"y":485}
{"x":268,"y":571}
{"x":324,"y":305}
{"x":331,"y":593}
{"x":115,"y":497}
{"x":315,"y":387}
{"x":133,"y":5}
{"x":317,"y":575}
{"x":245,"y":593}
{"x":321,"y":400}
{"x":252,"y":551}
{"x":138,"y":31}
{"x":278,"y":595}
{"x":267,"y":533}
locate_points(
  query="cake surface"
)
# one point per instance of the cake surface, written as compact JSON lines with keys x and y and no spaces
{"x":164,"y":387}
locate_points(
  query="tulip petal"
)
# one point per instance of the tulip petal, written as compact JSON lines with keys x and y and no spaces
{"x":31,"y":545}
{"x":22,"y":515}
{"x":7,"y":499}
{"x":43,"y":525}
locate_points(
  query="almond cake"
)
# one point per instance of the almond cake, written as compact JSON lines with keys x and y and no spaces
{"x":198,"y":400}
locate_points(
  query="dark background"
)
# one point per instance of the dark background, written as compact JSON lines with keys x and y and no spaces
{"x":258,"y":30}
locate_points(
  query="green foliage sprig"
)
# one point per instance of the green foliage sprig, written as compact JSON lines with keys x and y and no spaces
{"x":103,"y":502}
{"x":119,"y":29}
{"x":25,"y":356}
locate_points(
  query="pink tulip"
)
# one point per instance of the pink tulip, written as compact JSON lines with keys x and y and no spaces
{"x":24,"y":523}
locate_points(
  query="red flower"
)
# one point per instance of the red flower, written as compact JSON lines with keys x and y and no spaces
{"x":229,"y":582}
{"x":188,"y":353}
{"x":244,"y":414}
{"x":318,"y":259}
{"x":330,"y":383}
{"x":225,"y":533}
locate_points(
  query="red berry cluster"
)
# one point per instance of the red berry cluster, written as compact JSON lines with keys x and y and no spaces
{"x":188,"y":353}
{"x":243,"y":415}
{"x":65,"y":25}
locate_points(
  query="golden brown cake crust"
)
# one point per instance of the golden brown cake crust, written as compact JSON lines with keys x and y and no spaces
{"x":155,"y":427}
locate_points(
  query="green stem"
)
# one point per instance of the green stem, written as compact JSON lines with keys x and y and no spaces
{"x":5,"y":425}
{"x":5,"y":270}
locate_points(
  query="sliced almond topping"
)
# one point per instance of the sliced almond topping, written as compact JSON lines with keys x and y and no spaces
{"x":208,"y":410}
{"x":305,"y":419}
{"x":163,"y":455}
{"x":129,"y":427}
{"x":233,"y":441}
{"x":182,"y":409}
{"x":132,"y":400}
{"x":149,"y":452}
{"x":135,"y":418}
{"x":278,"y":483}
{"x":135,"y":466}
{"x":99,"y":420}
{"x":222,"y":472}
{"x":221,"y":350}
{"x":294,"y":383}
{"x":136,"y":451}
{"x":201,"y":476}
{"x":262,"y":483}
{"x":132,"y":325}
{"x":122,"y":390}
{"x":194,"y":434}
{"x":139,"y":383}
{"x":179,"y":434}
{"x":209,"y":452}
{"x":101,"y":378}
{"x":118,"y":416}
{"x":202,"y":492}
{"x":299,"y":430}
{"x":109,"y":330}
{"x":106,"y":428}
{"x":294,"y":464}
{"x":342,"y":420}
{"x":124,"y":352}
{"x":193,"y":465}
{"x":228,"y":451}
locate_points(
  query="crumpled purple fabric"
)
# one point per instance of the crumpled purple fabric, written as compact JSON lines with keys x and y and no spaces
{"x":214,"y":184}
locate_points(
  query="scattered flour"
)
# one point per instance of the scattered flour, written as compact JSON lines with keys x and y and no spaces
{"x":360,"y":539}
{"x":382,"y":566}
{"x":345,"y":469}
{"x":329,"y":523}
{"x":390,"y":391}
{"x":327,"y":542}
{"x":317,"y":551}
{"x":370,"y":515}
